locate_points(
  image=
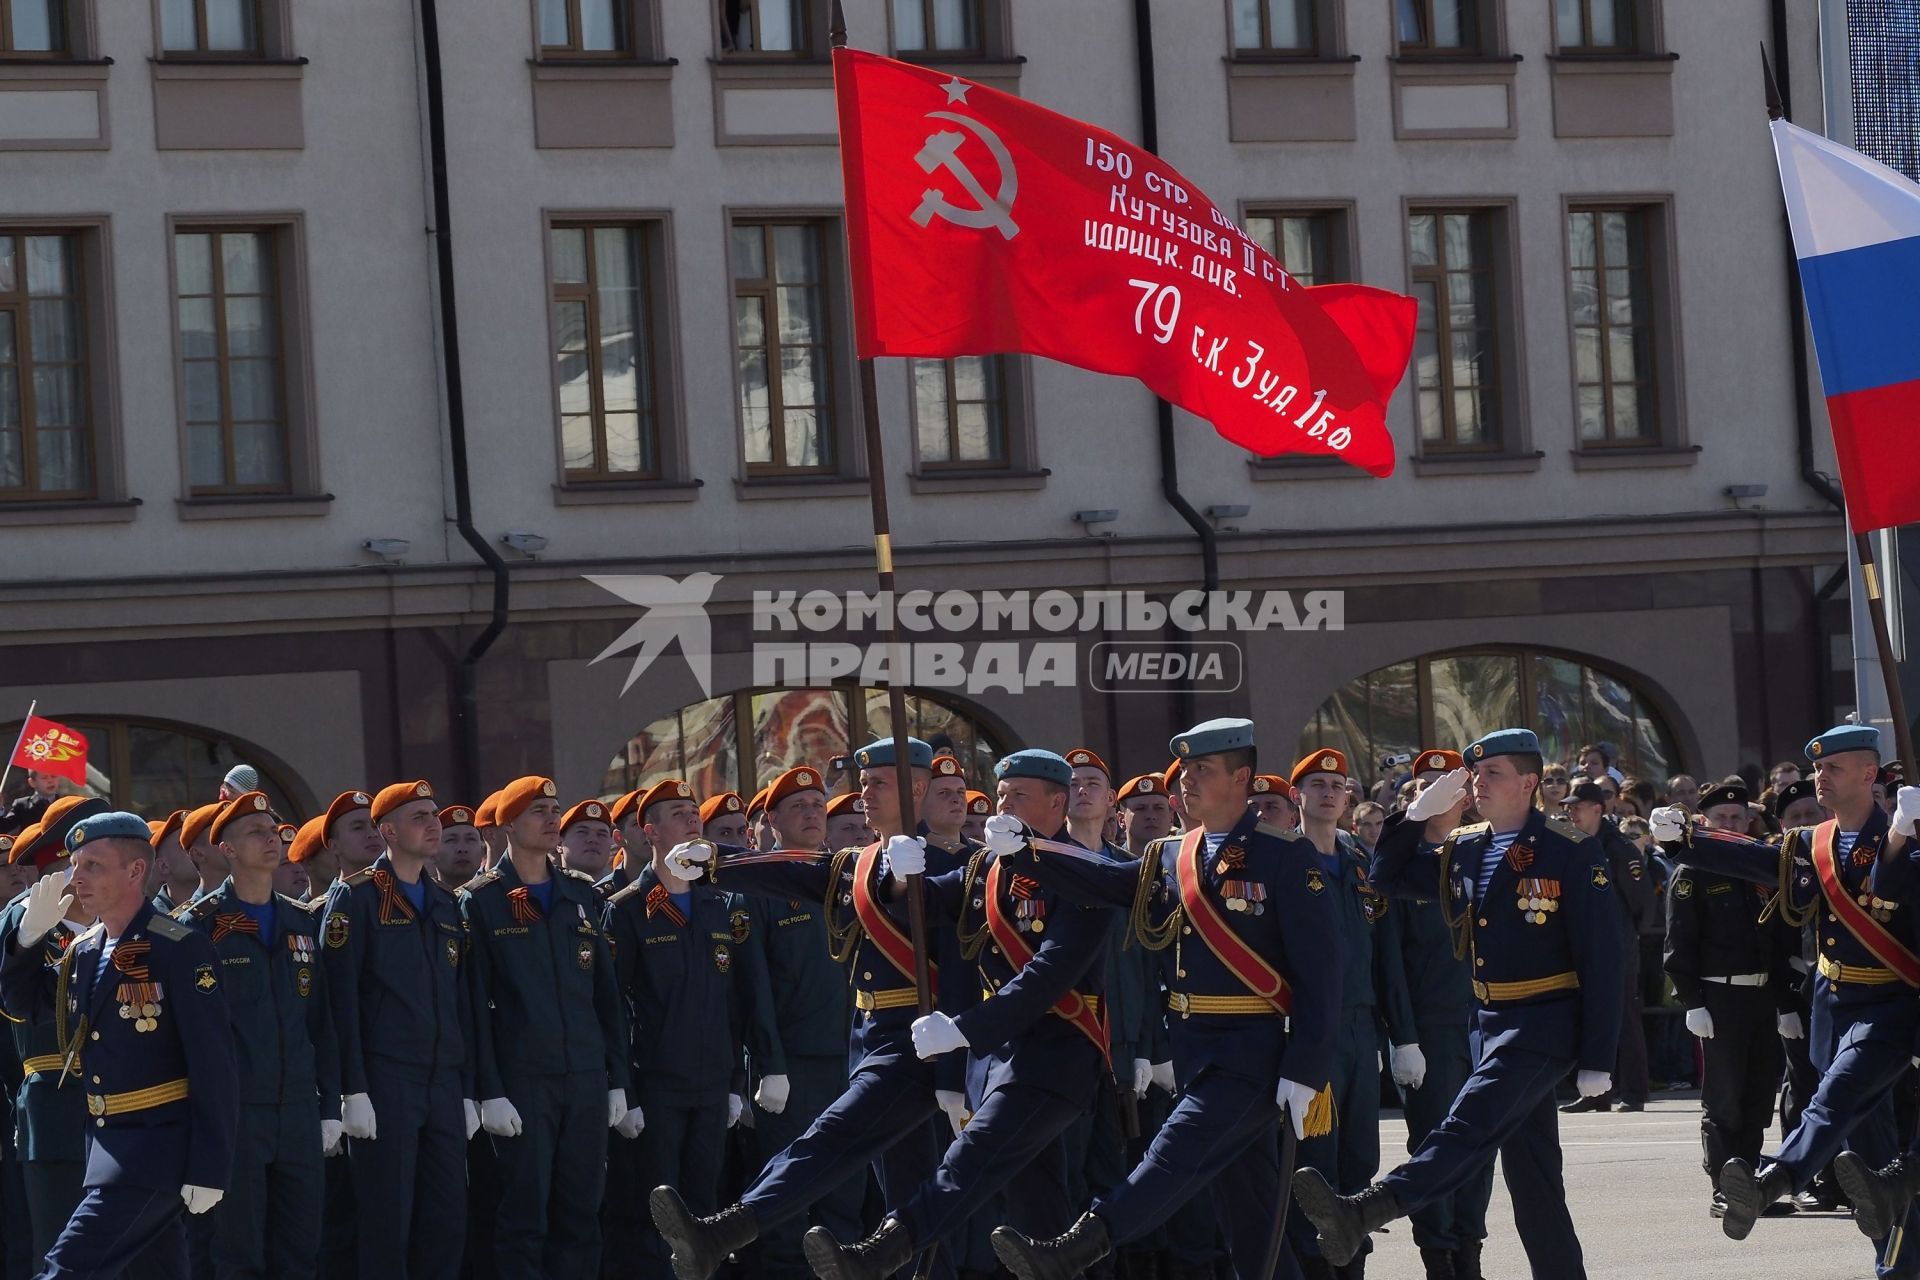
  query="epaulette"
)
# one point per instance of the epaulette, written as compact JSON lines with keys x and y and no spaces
{"x":1566,"y":830}
{"x":298,"y":905}
{"x":1268,"y":829}
{"x":577,"y":875}
{"x":622,"y":895}
{"x":198,"y":907}
{"x":98,"y":927}
{"x":169,"y":928}
{"x":480,"y":881}
{"x":1471,"y":829}
{"x":361,"y":876}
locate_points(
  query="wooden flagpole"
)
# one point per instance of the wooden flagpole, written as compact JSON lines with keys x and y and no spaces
{"x":6,"y":770}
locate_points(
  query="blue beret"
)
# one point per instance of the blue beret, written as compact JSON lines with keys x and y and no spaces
{"x":1503,"y":742}
{"x":1035,"y":763}
{"x":105,"y":826}
{"x":1845,"y":737}
{"x":878,"y":754}
{"x":1212,"y":737}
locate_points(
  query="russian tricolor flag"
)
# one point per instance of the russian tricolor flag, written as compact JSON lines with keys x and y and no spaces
{"x":1856,"y":231}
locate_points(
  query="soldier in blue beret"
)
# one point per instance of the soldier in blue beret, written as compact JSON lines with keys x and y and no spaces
{"x":1239,"y":913}
{"x":138,"y":1005}
{"x":1531,"y":899}
{"x":1855,"y":875}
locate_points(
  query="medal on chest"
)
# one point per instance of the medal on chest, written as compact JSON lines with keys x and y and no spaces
{"x":1029,"y":908}
{"x":1537,"y":898}
{"x":1248,"y":896}
{"x":140,"y":1004}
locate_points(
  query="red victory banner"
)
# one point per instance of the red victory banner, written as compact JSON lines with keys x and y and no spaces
{"x":978,"y":223}
{"x":48,"y":747}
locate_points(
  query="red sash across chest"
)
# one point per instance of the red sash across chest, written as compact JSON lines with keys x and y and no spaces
{"x":1873,"y":935}
{"x":1246,"y":964}
{"x":1072,"y":1006}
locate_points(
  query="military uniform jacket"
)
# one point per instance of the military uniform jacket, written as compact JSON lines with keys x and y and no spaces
{"x":155,"y":1049}
{"x":276,"y":1001}
{"x":1435,"y":987}
{"x":807,"y":1006}
{"x":50,"y":1123}
{"x":1545,"y":939}
{"x":686,"y":986}
{"x":1631,"y":886}
{"x":1293,"y":929}
{"x":394,"y":976}
{"x":880,"y":1038}
{"x":1715,"y":930}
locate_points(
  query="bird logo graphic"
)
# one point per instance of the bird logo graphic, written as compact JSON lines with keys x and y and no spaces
{"x":675,"y":609}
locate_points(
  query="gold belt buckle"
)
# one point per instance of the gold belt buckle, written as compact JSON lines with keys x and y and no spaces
{"x":1180,"y":1002}
{"x":96,"y":1105}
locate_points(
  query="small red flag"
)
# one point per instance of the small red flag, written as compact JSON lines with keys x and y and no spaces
{"x":978,"y":223}
{"x":48,"y":747}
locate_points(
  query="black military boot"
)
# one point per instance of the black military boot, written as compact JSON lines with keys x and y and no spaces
{"x":875,"y":1258}
{"x":700,"y":1245}
{"x":1466,"y":1261}
{"x":1344,"y":1222}
{"x":1748,"y":1194}
{"x":1061,"y":1258}
{"x":1439,"y":1264}
{"x":1880,"y":1197}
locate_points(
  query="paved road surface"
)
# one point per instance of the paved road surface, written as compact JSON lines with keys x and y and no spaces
{"x":1640,"y":1202}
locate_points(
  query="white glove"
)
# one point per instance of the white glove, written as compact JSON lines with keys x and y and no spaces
{"x":1700,"y":1023}
{"x":1906,"y":810}
{"x":1668,"y":822}
{"x":1440,"y":795}
{"x":1163,"y":1075}
{"x":356,"y":1116}
{"x":736,"y":1107}
{"x":1142,"y":1077}
{"x":685,"y":860}
{"x":201,"y":1199}
{"x":1409,"y":1066}
{"x":47,"y":905}
{"x":1591,"y":1084}
{"x":330,"y":1132}
{"x":631,"y":1123}
{"x":1791,"y":1028}
{"x":472,"y":1110}
{"x":616,"y":1107}
{"x":771,"y":1097}
{"x":1296,"y":1098}
{"x":500,"y":1117}
{"x":936,"y":1034}
{"x":955,"y":1105}
{"x":1006,"y":835}
{"x":906,"y":856}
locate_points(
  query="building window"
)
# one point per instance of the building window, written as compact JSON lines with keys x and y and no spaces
{"x":30,"y":28}
{"x":950,"y":27}
{"x":46,"y":409}
{"x":1310,"y":243}
{"x":210,"y":27}
{"x":1456,"y":336}
{"x":1594,"y":26}
{"x":585,"y":28}
{"x":604,"y":354}
{"x":773,"y":28}
{"x":1613,"y":336}
{"x":1449,"y":699}
{"x":960,"y":411}
{"x":1273,"y":26}
{"x":1437,"y":26}
{"x":741,"y":741}
{"x":154,"y":767}
{"x":784,"y":345}
{"x":232,"y":360}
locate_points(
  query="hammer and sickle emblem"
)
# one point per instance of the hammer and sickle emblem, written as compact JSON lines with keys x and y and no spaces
{"x":942,"y":152}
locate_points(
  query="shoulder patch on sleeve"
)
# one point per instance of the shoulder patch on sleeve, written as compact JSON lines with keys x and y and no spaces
{"x":1600,"y":878}
{"x":1682,"y":887}
{"x":167,"y":927}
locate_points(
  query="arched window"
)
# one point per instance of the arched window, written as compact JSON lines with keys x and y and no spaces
{"x":1449,"y":699}
{"x":742,"y":741}
{"x":152,"y":767}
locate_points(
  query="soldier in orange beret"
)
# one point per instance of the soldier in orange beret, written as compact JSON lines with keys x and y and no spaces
{"x":290,"y":878}
{"x":462,"y":854}
{"x":979,"y":809}
{"x":179,"y":878}
{"x":759,"y":825}
{"x":492,"y":834}
{"x":847,"y":822}
{"x":1276,"y":802}
{"x":586,"y":840}
{"x":350,"y":840}
{"x":723,"y":818}
{"x":196,"y":839}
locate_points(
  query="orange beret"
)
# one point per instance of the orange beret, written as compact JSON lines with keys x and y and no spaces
{"x":1273,"y":784}
{"x":169,"y":826}
{"x":1081,"y":758}
{"x":662,"y":791}
{"x":457,"y":815}
{"x":792,"y":783}
{"x":1325,"y":760}
{"x":623,"y":808}
{"x":757,"y":805}
{"x":486,"y":814}
{"x":848,"y":803}
{"x":307,"y":841}
{"x":715,"y":806}
{"x":287,"y":832}
{"x":242,"y":805}
{"x":586,"y":811}
{"x":198,"y":825}
{"x":1147,"y":784}
{"x":343,"y":804}
{"x":395,"y":794}
{"x":946,"y":766}
{"x":512,"y":800}
{"x":1443,"y":760}
{"x":21,"y":846}
{"x":979,"y":802}
{"x":1167,"y":775}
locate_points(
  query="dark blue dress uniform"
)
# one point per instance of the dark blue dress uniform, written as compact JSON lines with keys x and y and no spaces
{"x":151,"y":1036}
{"x":550,"y":1037}
{"x":394,"y":976}
{"x":1547,"y":965}
{"x":685,"y":982}
{"x":289,"y":1064}
{"x":1231,"y":1045}
{"x":50,"y":1123}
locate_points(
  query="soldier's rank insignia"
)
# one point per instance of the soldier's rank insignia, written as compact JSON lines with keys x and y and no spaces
{"x":585,"y":955}
{"x":722,"y":959}
{"x":337,"y":930}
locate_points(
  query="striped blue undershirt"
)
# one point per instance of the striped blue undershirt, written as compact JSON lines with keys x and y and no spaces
{"x":1496,"y":849}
